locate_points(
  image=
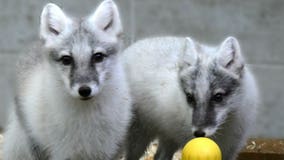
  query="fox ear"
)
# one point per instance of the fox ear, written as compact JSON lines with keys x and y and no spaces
{"x":230,"y":55}
{"x":53,"y":22}
{"x":106,"y":18}
{"x":190,"y":54}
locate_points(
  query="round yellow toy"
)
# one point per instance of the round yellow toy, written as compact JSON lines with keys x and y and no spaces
{"x":201,"y":149}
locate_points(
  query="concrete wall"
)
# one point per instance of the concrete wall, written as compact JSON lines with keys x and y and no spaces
{"x":257,"y":23}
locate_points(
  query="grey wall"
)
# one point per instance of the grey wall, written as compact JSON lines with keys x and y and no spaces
{"x":258,"y":24}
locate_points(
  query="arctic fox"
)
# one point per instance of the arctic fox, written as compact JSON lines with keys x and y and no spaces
{"x":182,"y":89}
{"x":73,"y":102}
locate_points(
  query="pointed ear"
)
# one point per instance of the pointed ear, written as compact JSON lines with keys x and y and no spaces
{"x":190,"y":54}
{"x":53,"y":22}
{"x":106,"y":18}
{"x":230,"y":55}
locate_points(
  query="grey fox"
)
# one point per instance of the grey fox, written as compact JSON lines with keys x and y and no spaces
{"x":182,"y":89}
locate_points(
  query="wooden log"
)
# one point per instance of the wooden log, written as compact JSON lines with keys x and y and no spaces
{"x":263,"y":149}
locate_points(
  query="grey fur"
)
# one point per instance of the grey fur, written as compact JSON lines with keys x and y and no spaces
{"x":216,"y":79}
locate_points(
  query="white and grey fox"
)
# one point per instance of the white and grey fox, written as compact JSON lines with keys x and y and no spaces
{"x":73,"y":101}
{"x":182,"y":89}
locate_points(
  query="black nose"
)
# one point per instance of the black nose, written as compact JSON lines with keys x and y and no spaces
{"x":85,"y":91}
{"x":199,"y":133}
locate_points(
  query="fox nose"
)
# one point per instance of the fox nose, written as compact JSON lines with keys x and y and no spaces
{"x":199,"y":133}
{"x":85,"y":91}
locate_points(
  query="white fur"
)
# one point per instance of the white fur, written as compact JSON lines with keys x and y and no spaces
{"x":68,"y":126}
{"x":191,"y":58}
{"x":106,"y":15}
{"x":52,"y":17}
{"x":230,"y":50}
{"x":152,"y":66}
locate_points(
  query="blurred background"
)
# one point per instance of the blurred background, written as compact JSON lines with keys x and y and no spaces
{"x":258,"y":24}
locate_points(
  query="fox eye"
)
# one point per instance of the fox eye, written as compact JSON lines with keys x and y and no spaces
{"x":66,"y":60}
{"x":218,"y":97}
{"x":98,"y":57}
{"x":190,"y":98}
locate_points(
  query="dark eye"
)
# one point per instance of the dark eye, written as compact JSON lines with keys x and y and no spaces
{"x":218,"y":97}
{"x":66,"y":60}
{"x":98,"y":57}
{"x":190,"y":98}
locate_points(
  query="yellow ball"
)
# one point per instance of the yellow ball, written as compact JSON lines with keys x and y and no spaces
{"x":201,"y":149}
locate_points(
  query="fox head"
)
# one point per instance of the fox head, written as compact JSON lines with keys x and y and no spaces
{"x":211,"y":80}
{"x":82,"y":52}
